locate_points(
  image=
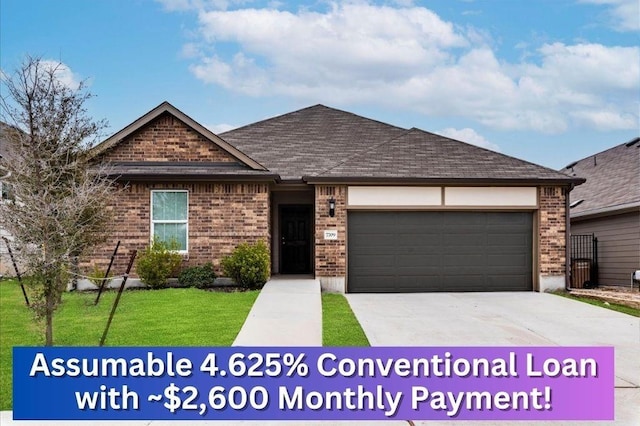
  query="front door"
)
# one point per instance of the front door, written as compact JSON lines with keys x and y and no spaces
{"x":295,"y":239}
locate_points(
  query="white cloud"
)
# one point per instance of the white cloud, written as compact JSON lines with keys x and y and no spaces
{"x":190,"y":51}
{"x":409,"y":58}
{"x":62,"y":73}
{"x":220,"y":128}
{"x":181,"y":5}
{"x":186,"y":5}
{"x":404,"y":3}
{"x":625,"y":14}
{"x":469,"y":136}
{"x":607,"y":119}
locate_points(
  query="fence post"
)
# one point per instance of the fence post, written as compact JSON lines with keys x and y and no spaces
{"x":106,"y":274}
{"x":115,"y":303}
{"x":15,"y":267}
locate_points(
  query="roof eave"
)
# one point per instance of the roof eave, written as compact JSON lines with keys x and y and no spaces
{"x":607,"y":211}
{"x":440,"y":181}
{"x":194,"y":177}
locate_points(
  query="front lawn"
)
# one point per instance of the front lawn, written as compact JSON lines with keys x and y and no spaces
{"x":170,"y":317}
{"x":339,"y":324}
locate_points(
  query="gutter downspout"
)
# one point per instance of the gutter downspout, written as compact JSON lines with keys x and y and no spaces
{"x":567,"y":245}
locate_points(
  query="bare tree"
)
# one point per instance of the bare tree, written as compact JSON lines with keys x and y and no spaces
{"x":58,"y":210}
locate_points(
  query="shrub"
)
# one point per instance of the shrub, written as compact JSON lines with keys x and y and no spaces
{"x":198,"y":276}
{"x":157,"y":262}
{"x":248,"y":265}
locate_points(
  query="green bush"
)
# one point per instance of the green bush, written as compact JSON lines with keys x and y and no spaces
{"x":157,"y":262}
{"x":198,"y":276}
{"x":248,"y":265}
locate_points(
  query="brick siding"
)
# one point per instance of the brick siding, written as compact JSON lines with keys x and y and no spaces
{"x":220,"y":217}
{"x":167,"y":139}
{"x":552,"y":242}
{"x":331,"y":255}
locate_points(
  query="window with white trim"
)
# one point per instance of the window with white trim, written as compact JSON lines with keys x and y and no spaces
{"x":170,"y":217}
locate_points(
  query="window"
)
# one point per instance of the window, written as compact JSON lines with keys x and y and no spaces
{"x":169,"y":217}
{"x":5,"y":191}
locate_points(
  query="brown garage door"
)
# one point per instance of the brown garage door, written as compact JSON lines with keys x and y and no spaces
{"x":439,"y":251}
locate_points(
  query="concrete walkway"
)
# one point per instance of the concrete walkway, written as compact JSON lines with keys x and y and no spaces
{"x":288,"y":312}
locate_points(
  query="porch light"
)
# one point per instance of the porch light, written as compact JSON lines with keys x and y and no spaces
{"x":332,"y":207}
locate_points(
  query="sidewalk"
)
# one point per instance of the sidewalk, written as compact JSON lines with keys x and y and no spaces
{"x":288,"y":312}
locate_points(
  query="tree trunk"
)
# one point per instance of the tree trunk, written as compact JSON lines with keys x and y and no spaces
{"x":49,"y":326}
{"x":49,"y":303}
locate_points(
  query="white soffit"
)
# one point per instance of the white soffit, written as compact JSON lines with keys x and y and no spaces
{"x":383,"y":196}
{"x":491,"y":196}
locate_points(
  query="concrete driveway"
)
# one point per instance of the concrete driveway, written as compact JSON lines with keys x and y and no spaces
{"x":506,"y":319}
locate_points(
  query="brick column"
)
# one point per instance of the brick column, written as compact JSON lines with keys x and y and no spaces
{"x":331,"y":255}
{"x":552,"y":241}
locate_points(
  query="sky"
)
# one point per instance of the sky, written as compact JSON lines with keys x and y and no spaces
{"x":547,"y":81}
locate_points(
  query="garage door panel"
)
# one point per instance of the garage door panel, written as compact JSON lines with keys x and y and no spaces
{"x":413,"y":285}
{"x":375,"y":261}
{"x":504,"y":218}
{"x":507,"y":260}
{"x":473,"y":260}
{"x":468,"y":239}
{"x":462,"y":283}
{"x":384,"y":284}
{"x":439,"y":251}
{"x":508,"y":240}
{"x":505,"y":283}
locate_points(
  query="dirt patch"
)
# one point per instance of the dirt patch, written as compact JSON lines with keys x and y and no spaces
{"x":619,"y":295}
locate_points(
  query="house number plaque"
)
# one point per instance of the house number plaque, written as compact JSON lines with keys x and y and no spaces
{"x":331,"y":234}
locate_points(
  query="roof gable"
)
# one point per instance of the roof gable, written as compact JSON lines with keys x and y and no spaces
{"x":612,"y":179}
{"x":195,"y":143}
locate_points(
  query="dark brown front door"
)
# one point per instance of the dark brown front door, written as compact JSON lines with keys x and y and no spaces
{"x":295,"y":239}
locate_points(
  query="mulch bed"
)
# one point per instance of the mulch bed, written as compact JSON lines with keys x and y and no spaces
{"x":619,"y":295}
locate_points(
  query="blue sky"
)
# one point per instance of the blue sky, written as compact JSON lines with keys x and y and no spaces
{"x":548,"y":81}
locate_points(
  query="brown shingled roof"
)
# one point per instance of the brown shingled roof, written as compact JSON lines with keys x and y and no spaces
{"x":309,"y":140}
{"x":323,"y":144}
{"x":422,"y":155}
{"x":613,"y":180}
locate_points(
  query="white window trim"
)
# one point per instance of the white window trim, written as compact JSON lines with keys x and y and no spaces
{"x":153,"y":222}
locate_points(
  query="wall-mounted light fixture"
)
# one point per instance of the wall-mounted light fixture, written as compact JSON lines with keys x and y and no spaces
{"x":332,"y":207}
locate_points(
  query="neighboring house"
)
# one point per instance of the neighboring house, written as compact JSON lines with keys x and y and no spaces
{"x":6,"y":267}
{"x":361,"y":205}
{"x":608,"y":206}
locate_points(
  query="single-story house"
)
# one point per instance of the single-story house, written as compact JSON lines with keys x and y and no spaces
{"x":362,"y":205}
{"x":608,"y":206}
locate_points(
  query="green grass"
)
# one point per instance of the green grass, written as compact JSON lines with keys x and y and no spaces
{"x":596,"y":302}
{"x":170,"y":317}
{"x":339,"y":325}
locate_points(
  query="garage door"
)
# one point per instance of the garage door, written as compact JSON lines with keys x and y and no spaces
{"x":439,"y":251}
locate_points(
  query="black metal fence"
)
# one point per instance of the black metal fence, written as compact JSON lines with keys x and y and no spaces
{"x":584,"y":261}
